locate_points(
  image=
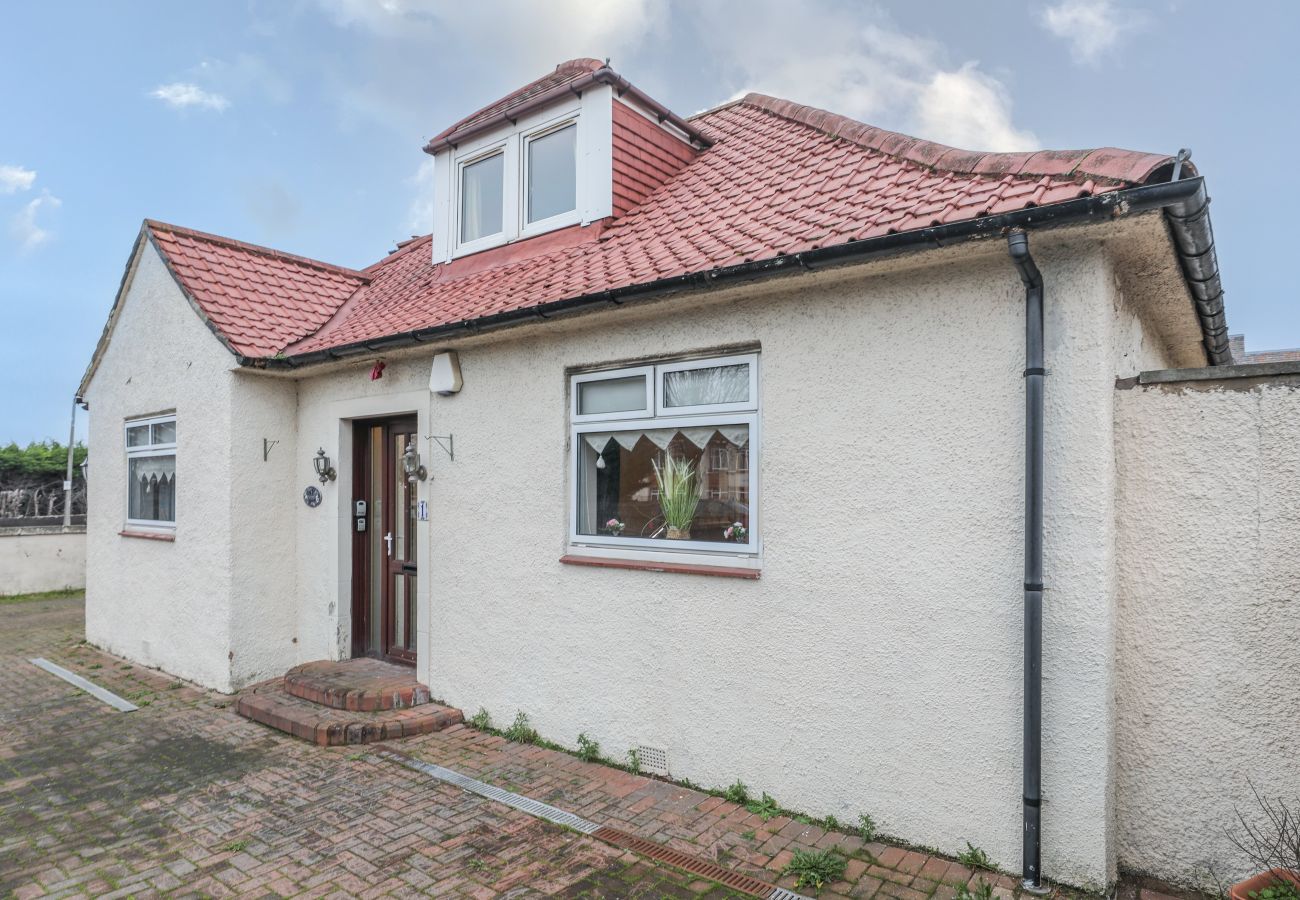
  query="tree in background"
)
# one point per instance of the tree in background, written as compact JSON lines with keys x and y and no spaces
{"x":31,"y":480}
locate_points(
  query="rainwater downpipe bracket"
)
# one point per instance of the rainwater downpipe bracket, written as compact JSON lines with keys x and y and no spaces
{"x":1034,"y":375}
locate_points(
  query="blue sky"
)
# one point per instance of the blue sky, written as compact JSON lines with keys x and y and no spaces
{"x":298,"y":123}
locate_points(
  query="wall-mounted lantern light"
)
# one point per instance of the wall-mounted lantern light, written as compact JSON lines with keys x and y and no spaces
{"x":323,"y":467}
{"x":411,"y":464}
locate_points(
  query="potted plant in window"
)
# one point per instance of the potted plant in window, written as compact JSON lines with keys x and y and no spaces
{"x":678,"y":496}
{"x":1273,"y":847}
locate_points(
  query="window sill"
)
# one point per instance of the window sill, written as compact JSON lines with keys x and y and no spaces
{"x":168,"y":536}
{"x":652,"y":566}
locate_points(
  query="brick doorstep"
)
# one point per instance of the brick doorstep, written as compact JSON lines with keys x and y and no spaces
{"x":270,"y":704}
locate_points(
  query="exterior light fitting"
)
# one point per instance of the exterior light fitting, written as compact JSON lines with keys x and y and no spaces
{"x":323,"y":467}
{"x":411,"y":464}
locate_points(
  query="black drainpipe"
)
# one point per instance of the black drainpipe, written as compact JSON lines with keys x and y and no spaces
{"x":1018,"y":246}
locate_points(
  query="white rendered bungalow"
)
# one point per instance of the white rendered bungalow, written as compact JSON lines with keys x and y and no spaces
{"x":462,"y":458}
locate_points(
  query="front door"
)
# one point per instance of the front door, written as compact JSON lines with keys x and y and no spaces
{"x":383,"y":542}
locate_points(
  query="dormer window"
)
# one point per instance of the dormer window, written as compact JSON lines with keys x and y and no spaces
{"x":552,"y":173}
{"x":577,"y":146}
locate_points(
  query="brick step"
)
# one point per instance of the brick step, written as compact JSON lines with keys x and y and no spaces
{"x":270,"y":704}
{"x":357,"y":685}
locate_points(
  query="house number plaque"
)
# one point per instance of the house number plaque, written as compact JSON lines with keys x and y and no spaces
{"x":311,"y":496}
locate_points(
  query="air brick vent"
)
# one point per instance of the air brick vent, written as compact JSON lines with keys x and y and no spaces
{"x":653,"y":759}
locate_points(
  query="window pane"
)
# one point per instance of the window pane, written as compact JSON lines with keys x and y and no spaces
{"x":137,"y":436}
{"x":701,"y":387}
{"x":151,"y":488}
{"x":611,"y":395}
{"x":619,"y":494}
{"x":552,"y":174}
{"x":164,"y":433}
{"x":481,"y":198}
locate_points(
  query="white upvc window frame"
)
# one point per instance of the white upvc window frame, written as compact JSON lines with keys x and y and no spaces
{"x":748,"y":358}
{"x":502,"y":148}
{"x":559,"y":220}
{"x":648,"y":372}
{"x":167,"y":448}
{"x":657,"y":549}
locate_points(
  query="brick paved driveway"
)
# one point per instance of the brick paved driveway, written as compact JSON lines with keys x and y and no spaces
{"x":185,"y":797}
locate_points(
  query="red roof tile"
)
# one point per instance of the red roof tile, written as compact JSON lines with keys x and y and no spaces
{"x":779,"y":178}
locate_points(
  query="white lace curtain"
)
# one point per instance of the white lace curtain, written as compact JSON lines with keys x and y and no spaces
{"x":662,"y":437}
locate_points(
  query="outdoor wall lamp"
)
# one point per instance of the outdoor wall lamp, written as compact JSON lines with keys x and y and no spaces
{"x":411,"y":464}
{"x":323,"y":467}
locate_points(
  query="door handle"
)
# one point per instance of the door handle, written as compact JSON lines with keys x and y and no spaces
{"x":388,"y":539}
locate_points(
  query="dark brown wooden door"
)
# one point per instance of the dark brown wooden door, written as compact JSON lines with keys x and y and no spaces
{"x":384,"y":542}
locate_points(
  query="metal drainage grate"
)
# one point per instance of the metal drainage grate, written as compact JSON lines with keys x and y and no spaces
{"x":474,"y":786}
{"x":746,"y":884}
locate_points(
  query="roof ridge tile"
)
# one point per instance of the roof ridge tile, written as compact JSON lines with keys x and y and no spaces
{"x":1105,"y":163}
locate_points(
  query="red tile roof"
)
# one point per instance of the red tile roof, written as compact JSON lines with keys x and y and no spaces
{"x":779,"y":178}
{"x":260,"y":300}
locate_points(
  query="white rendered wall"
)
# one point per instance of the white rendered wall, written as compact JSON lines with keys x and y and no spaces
{"x":264,"y":501}
{"x":164,"y":604}
{"x":876,"y":666}
{"x":1209,"y":589}
{"x":42,"y":559}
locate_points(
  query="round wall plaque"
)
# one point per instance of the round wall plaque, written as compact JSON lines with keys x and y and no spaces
{"x":311,"y":496}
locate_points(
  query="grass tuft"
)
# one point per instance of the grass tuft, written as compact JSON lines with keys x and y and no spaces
{"x":813,"y":868}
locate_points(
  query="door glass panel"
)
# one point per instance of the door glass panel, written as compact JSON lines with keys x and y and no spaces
{"x":399,"y":610}
{"x":378,"y":556}
{"x":410,"y":613}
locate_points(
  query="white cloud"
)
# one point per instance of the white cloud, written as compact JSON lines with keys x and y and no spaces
{"x":15,"y":178}
{"x":25,"y":229}
{"x":968,"y":108}
{"x":1090,"y":27}
{"x":522,"y":38}
{"x":182,"y":95}
{"x":856,"y":62}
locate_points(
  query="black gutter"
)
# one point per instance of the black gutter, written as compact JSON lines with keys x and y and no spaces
{"x":1189,"y":233}
{"x":1018,"y":247}
{"x":1189,"y":224}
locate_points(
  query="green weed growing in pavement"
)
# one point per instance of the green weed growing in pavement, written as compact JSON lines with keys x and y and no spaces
{"x":175,"y":685}
{"x":765,"y":807}
{"x":588,"y":750}
{"x":867,"y":827}
{"x":749,"y":835}
{"x":95,"y":666}
{"x":983,"y":891}
{"x":813,"y":868}
{"x":476,"y":864}
{"x":974,"y":857}
{"x":236,"y":846}
{"x":830,"y":823}
{"x":634,"y":761}
{"x":520,"y":732}
{"x":356,"y":757}
{"x":738,"y":793}
{"x":481,"y":720}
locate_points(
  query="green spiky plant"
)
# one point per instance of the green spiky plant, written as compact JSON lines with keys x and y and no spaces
{"x":678,"y":493}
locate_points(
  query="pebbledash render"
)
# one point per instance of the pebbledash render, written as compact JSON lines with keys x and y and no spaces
{"x":449,"y":459}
